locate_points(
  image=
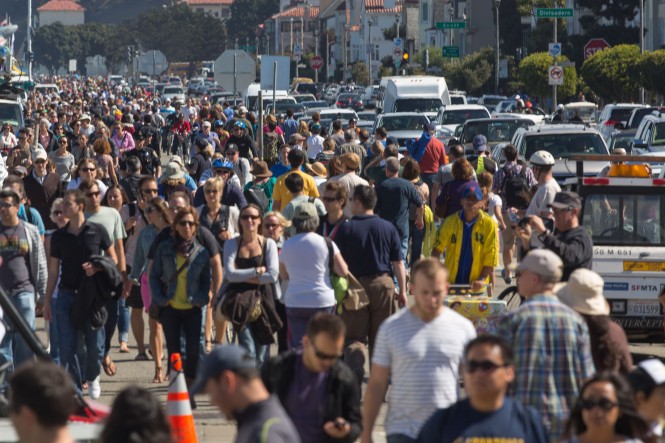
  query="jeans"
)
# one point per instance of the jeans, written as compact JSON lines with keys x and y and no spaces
{"x":417,"y":237}
{"x":400,"y":438}
{"x":68,"y":334}
{"x":13,"y":348}
{"x":123,"y":321}
{"x":111,"y":323}
{"x":297,"y":322}
{"x":428,"y":178}
{"x":189,"y":321}
{"x":53,"y":338}
{"x":247,"y":341}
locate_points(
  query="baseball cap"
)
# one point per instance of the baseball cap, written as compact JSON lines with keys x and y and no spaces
{"x":654,"y":369}
{"x":471,"y":189}
{"x":84,"y":117}
{"x":566,"y":200}
{"x":542,"y":262}
{"x":39,"y":154}
{"x":305,"y":211}
{"x":429,"y":127}
{"x":242,"y":110}
{"x":480,"y":143}
{"x":222,"y":358}
{"x":206,"y":124}
{"x":231,"y":147}
{"x":296,"y":138}
{"x":20,"y":170}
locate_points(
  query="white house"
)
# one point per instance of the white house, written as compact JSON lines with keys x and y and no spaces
{"x":67,"y":12}
{"x":220,"y":9}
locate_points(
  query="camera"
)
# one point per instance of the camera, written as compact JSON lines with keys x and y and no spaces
{"x":525,"y":220}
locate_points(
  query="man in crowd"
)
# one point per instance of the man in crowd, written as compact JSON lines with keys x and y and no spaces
{"x":351,"y":145}
{"x":306,"y":381}
{"x":337,"y":133}
{"x":71,"y":249}
{"x":282,"y":166}
{"x":424,"y":342}
{"x":372,"y":250}
{"x":469,"y":240}
{"x":130,"y":183}
{"x":290,"y":125}
{"x":240,"y":164}
{"x":150,"y":162}
{"x":486,"y":414}
{"x":551,"y":343}
{"x":230,"y":378}
{"x":208,"y":136}
{"x":42,"y":187}
{"x":542,"y":163}
{"x":429,"y":152}
{"x":314,"y":143}
{"x":281,"y":195}
{"x":23,"y":274}
{"x":350,"y":179}
{"x":244,"y":142}
{"x":41,"y":401}
{"x":482,"y":161}
{"x":445,"y":172}
{"x":570,"y":241}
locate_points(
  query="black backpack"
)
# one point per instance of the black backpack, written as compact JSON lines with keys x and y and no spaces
{"x":516,"y":190}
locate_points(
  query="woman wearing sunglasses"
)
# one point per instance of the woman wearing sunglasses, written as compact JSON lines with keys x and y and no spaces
{"x":8,"y":139}
{"x":64,"y":160}
{"x":251,"y":263}
{"x":86,"y":169}
{"x":605,"y":412}
{"x":180,"y":285}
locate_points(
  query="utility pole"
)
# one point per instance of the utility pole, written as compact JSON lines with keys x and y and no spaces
{"x":497,"y":3}
{"x":28,"y":40}
{"x":327,"y":55}
{"x":554,"y":105}
{"x":397,"y":16}
{"x":291,"y":46}
{"x":642,"y":42}
{"x":316,"y":50}
{"x":370,"y":22}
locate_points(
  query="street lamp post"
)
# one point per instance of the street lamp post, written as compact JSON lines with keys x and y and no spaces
{"x":497,"y":3}
{"x":370,"y":23}
{"x":642,"y":42}
{"x":316,"y":50}
{"x":291,"y":46}
{"x":397,"y":17}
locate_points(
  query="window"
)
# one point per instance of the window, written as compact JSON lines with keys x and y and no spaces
{"x":424,"y":12}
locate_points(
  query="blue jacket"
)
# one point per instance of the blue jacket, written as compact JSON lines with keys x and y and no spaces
{"x":164,"y":268}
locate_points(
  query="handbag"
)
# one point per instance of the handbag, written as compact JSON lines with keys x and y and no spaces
{"x":349,"y":293}
{"x":155,"y":310}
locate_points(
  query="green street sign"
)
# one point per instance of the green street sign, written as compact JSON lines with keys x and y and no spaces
{"x":450,"y":25}
{"x":451,"y":51}
{"x":250,"y":48}
{"x":554,"y":12}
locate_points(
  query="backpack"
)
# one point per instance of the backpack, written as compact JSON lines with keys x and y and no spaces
{"x":256,"y":194}
{"x":516,"y":190}
{"x":271,"y":148}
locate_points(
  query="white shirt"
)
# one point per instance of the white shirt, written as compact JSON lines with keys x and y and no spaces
{"x":314,"y":145}
{"x":543,"y":197}
{"x":424,"y":360}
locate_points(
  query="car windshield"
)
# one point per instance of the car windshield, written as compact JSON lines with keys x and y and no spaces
{"x":304,"y":98}
{"x":168,"y":90}
{"x":562,"y":145}
{"x":638,"y":219}
{"x":456,"y":100}
{"x":620,"y":114}
{"x":621,"y":141}
{"x":403,"y":122}
{"x":316,"y":104}
{"x":458,"y":117}
{"x":584,"y":113}
{"x":495,"y":131}
{"x":10,"y":113}
{"x":493,"y":100}
{"x":638,"y":115}
{"x":417,"y":105}
{"x":283,"y":106}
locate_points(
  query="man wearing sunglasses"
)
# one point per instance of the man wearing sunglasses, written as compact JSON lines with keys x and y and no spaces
{"x":486,"y":414}
{"x":305,"y":380}
{"x":42,"y":187}
{"x":418,"y":352}
{"x":550,"y":340}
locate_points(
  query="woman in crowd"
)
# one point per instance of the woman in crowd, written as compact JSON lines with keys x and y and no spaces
{"x":7,"y":138}
{"x":80,"y":148}
{"x":222,"y":221}
{"x":411,"y":172}
{"x":180,"y":286}
{"x":58,"y":133}
{"x":449,"y":200}
{"x":251,"y":262}
{"x":305,"y":264}
{"x":87,"y":169}
{"x":303,"y":129}
{"x":123,"y":139}
{"x":64,"y":161}
{"x":605,"y":412}
{"x":273,"y":227}
{"x":159,"y":217}
{"x":327,"y":153}
{"x":102,"y":150}
{"x":173,"y":180}
{"x":201,"y":160}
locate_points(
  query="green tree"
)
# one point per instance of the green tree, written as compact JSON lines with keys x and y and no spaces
{"x":472,"y":72}
{"x":613,"y":74}
{"x":652,"y":68}
{"x":359,"y":73}
{"x":533,"y":76}
{"x":247,"y":15}
{"x":54,"y":45}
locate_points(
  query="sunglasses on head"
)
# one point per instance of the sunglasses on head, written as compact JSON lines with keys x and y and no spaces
{"x":472,"y":366}
{"x":604,"y":404}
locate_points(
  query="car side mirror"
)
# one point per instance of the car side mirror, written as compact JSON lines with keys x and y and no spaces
{"x":458,"y":131}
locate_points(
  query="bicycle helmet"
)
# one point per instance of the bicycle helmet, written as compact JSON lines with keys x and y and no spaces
{"x":218,"y":124}
{"x":222,"y":163}
{"x":239,"y":124}
{"x":542,"y":158}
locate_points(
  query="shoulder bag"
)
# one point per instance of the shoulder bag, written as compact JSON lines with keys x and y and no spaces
{"x":349,"y":293}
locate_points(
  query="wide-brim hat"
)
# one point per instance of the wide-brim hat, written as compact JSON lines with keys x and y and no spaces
{"x":260,"y":170}
{"x":172,"y":171}
{"x":318,"y":169}
{"x":584,"y":293}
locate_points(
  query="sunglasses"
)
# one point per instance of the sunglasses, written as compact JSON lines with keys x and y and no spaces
{"x":93,"y":194}
{"x":248,"y":216}
{"x":211,"y":191}
{"x":329,"y":199}
{"x":472,"y":366}
{"x":57,"y":213}
{"x":271,"y":226}
{"x":186,"y":223}
{"x":151,"y":191}
{"x":222,"y":171}
{"x":323,"y":356}
{"x":4,"y":205}
{"x":603,"y":403}
{"x":150,"y":210}
{"x":88,"y":169}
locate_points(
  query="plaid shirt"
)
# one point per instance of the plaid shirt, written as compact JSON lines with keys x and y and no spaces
{"x":552,"y":357}
{"x":514,"y":168}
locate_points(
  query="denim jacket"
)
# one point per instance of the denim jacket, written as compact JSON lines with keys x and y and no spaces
{"x":164,"y":268}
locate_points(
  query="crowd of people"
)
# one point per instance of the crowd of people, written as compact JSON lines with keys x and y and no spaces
{"x":311,"y":242}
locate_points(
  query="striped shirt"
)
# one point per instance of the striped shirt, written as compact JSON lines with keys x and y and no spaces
{"x":552,"y":357}
{"x":424,"y":360}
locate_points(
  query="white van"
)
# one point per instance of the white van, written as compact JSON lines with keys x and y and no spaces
{"x":417,"y":93}
{"x":251,"y":96}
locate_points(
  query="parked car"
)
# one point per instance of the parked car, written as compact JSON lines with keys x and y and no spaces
{"x":348,"y":100}
{"x":402,"y":125}
{"x":615,"y":114}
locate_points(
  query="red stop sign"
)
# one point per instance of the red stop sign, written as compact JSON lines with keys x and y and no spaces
{"x":594,"y":45}
{"x":316,"y":62}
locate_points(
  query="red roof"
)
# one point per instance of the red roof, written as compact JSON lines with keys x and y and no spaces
{"x":61,"y":5}
{"x":297,"y":12}
{"x":209,"y":2}
{"x":377,"y":5}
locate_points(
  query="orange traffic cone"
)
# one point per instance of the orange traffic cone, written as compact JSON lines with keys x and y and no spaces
{"x":178,"y":406}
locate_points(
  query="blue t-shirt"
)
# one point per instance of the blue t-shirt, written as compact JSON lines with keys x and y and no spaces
{"x":393,"y":197}
{"x":369,"y":245}
{"x":460,"y":423}
{"x":35,"y":218}
{"x":466,"y":253}
{"x":278,"y":169}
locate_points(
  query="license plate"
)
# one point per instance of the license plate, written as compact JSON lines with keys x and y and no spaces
{"x":644,"y":266}
{"x":643,"y":307}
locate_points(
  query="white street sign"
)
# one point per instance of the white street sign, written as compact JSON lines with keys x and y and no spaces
{"x":555,"y":75}
{"x":245,"y":72}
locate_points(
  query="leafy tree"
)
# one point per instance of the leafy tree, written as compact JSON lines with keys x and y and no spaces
{"x":533,"y":76}
{"x":55,"y":44}
{"x":615,"y":12}
{"x":652,"y":67}
{"x":359,"y":73}
{"x":391,"y":33}
{"x":613,"y":74}
{"x":247,"y":15}
{"x":472,"y":72}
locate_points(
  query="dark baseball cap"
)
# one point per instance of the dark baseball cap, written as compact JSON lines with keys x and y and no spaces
{"x":471,"y":189}
{"x":222,"y":358}
{"x":566,"y":200}
{"x":429,"y":127}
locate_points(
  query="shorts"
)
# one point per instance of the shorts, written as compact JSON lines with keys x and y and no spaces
{"x":134,"y":301}
{"x":508,"y":236}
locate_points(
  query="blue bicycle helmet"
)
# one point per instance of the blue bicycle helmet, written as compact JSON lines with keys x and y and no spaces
{"x":222,"y":163}
{"x":239,"y":124}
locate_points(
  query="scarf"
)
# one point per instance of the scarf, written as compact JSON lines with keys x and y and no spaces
{"x":183,"y":246}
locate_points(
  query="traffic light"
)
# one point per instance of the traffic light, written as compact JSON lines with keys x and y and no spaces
{"x":405,"y":59}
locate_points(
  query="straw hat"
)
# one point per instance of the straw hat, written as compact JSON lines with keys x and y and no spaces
{"x":318,"y":169}
{"x":584,"y":293}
